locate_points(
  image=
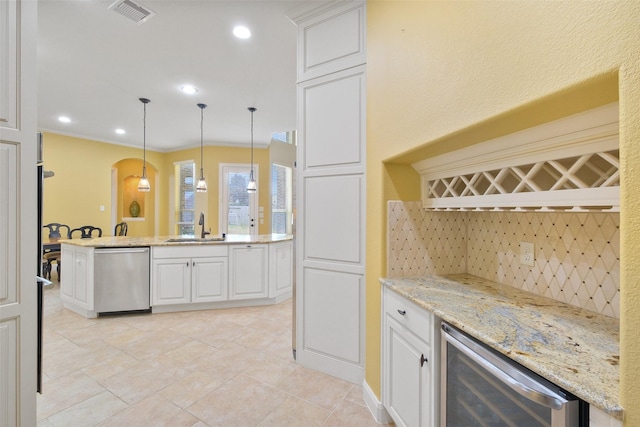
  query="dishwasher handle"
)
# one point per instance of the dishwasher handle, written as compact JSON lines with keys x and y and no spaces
{"x":481,"y":356}
{"x":121,"y":250}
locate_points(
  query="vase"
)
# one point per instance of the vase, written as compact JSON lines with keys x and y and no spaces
{"x":134,"y":209}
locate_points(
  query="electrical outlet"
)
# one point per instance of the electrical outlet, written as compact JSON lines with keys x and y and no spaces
{"x":526,"y":253}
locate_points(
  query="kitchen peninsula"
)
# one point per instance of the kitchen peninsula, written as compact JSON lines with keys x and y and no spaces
{"x":188,"y":273}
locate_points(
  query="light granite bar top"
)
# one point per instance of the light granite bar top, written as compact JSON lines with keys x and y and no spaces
{"x":124,"y":241}
{"x":574,"y":348}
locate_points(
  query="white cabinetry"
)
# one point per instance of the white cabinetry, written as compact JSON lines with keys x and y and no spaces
{"x":280,"y":269}
{"x":331,"y":178}
{"x":599,"y":418}
{"x":410,"y":362}
{"x":76,"y":281}
{"x":248,"y":273}
{"x":185,"y":274}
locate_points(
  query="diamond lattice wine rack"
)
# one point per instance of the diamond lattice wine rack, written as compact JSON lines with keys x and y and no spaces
{"x":571,"y":164}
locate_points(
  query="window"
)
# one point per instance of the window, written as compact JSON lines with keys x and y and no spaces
{"x":185,"y":200}
{"x":281,"y":199}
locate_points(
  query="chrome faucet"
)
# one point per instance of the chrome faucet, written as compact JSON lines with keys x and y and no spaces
{"x":201,"y":222}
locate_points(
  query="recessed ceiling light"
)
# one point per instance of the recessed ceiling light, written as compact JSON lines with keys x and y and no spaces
{"x":64,"y":119}
{"x":241,"y":32}
{"x":120,"y":131}
{"x":189,"y":89}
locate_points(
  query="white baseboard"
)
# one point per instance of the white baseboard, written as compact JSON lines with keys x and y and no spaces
{"x":375,"y":406}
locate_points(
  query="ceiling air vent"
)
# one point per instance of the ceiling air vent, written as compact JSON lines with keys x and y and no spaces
{"x":131,"y":10}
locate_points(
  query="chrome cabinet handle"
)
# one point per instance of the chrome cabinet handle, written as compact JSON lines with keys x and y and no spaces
{"x":402,"y":312}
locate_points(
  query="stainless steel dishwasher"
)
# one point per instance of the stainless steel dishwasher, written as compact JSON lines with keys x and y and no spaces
{"x":121,"y":280}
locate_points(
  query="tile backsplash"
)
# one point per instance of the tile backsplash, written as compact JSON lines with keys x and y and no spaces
{"x":577,"y":255}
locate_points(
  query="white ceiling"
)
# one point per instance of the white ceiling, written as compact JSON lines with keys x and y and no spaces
{"x":94,"y":64}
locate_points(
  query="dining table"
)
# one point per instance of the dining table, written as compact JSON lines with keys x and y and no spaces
{"x":51,"y":244}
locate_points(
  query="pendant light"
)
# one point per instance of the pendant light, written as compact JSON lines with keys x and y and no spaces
{"x":202,"y":184}
{"x":251,"y":188}
{"x":143,"y":184}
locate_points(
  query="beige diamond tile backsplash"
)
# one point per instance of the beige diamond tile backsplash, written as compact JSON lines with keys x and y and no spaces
{"x":577,"y":255}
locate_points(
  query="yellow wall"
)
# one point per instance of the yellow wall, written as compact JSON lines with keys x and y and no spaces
{"x":82,"y":183}
{"x":444,"y":75}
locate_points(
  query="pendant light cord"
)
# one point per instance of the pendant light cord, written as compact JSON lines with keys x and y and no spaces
{"x":144,"y":141}
{"x":201,"y":143}
{"x":252,"y":109}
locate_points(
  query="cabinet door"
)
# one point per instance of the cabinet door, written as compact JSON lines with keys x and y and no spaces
{"x":81,"y":279}
{"x":209,"y":279}
{"x":248,"y":272}
{"x":67,"y":280}
{"x":280,"y":268}
{"x":407,"y":376}
{"x":171,"y":281}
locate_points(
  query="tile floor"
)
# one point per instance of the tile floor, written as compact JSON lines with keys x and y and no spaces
{"x":230,"y":367}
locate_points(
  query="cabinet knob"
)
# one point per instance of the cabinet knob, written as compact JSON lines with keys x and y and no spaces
{"x":402,"y":312}
{"x":422,"y":360}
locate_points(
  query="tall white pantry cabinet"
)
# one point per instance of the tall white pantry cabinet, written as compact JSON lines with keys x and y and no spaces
{"x":331,"y":182}
{"x":18,"y":208}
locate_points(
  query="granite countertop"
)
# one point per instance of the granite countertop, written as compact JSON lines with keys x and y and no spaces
{"x":574,"y":348}
{"x":124,"y":241}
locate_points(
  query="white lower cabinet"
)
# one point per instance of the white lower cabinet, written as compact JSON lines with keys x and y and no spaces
{"x":76,"y":286}
{"x":410,"y":362}
{"x":249,"y":274}
{"x":280,"y":268}
{"x":181,"y":275}
{"x":248,"y":271}
{"x":599,"y":418}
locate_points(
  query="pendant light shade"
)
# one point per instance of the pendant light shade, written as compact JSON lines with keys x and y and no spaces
{"x":202,"y":184}
{"x":143,"y":184}
{"x":252,"y":187}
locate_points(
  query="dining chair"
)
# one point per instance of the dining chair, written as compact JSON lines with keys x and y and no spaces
{"x":86,"y":232}
{"x":121,"y":229}
{"x":56,"y":231}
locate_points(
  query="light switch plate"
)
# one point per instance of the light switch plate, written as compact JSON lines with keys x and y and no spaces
{"x":526,"y":253}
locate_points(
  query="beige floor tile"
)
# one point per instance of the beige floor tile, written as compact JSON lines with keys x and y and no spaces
{"x":243,"y":402}
{"x":111,"y":365}
{"x":223,"y":332}
{"x":355,"y":395}
{"x":188,"y":390}
{"x":231,"y":367}
{"x":154,"y":344}
{"x":191,"y":351}
{"x":321,"y":390}
{"x":229,"y":361}
{"x":61,"y":393}
{"x":89,"y":412}
{"x":270,"y":369}
{"x":99,"y":330}
{"x":295,"y":412}
{"x":143,"y":380}
{"x":153,"y":411}
{"x":349,"y":414}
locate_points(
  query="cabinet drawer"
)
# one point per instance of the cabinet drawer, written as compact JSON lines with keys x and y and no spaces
{"x":189,"y":251}
{"x":415,"y":318}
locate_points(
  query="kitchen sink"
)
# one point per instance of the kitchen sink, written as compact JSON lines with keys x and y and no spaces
{"x":194,"y":239}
